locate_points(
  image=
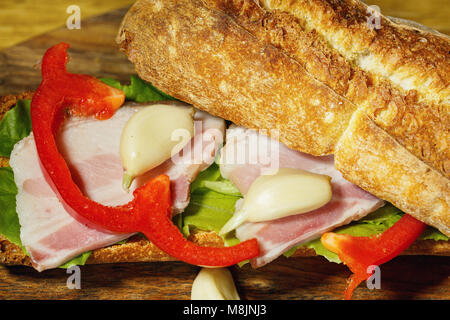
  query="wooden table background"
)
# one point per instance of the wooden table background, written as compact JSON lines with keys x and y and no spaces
{"x":93,"y":51}
{"x":21,"y":20}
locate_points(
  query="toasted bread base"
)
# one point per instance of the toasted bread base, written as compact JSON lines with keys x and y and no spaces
{"x":139,"y":249}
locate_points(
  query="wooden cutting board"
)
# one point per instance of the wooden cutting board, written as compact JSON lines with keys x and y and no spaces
{"x":93,"y":51}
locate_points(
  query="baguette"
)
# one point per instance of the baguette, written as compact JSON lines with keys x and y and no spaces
{"x":315,"y":71}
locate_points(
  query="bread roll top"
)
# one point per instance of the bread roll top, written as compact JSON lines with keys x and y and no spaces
{"x":307,"y":70}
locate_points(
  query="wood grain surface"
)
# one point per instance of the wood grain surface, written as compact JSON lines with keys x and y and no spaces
{"x":296,"y":278}
{"x":93,"y":51}
{"x":24,"y":19}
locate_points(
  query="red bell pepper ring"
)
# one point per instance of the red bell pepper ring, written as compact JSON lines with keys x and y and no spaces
{"x":149,"y":211}
{"x":358,"y":253}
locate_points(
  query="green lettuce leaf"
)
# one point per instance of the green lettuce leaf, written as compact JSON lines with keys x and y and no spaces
{"x":431,"y":233}
{"x":138,"y":90}
{"x":15,"y":125}
{"x":224,"y":187}
{"x":211,"y":174}
{"x":77,"y":261}
{"x":209,"y":210}
{"x":212,"y":204}
{"x":9,"y":221}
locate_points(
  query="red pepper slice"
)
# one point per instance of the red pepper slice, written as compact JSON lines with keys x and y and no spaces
{"x":159,"y":229}
{"x":149,"y":211}
{"x":358,"y":253}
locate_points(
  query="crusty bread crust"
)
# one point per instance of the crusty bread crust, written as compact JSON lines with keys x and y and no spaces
{"x":185,"y":56}
{"x":374,"y":160}
{"x":306,"y":68}
{"x":399,"y":51}
{"x":413,"y":117}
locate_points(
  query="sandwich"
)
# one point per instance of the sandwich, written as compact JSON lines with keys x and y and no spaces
{"x":342,"y":128}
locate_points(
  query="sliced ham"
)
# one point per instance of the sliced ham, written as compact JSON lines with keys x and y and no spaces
{"x":348,"y":203}
{"x":49,"y":233}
